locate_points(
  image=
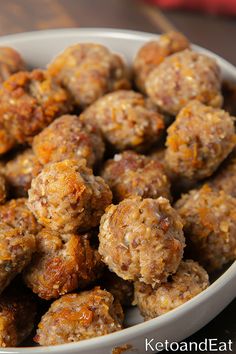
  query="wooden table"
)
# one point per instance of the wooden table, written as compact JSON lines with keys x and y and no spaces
{"x":217,"y":34}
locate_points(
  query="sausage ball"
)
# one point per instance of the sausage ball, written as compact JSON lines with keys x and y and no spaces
{"x":61,"y":264}
{"x":210,"y":226}
{"x":69,"y":137}
{"x":139,"y":227}
{"x":3,"y":189}
{"x":17,"y":315}
{"x":66,"y":196}
{"x":10,"y":62}
{"x":130,"y":173}
{"x":16,"y":214}
{"x":126,"y":120}
{"x":151,"y":54}
{"x":75,"y":317}
{"x":199,"y":140}
{"x":29,"y":101}
{"x":88,"y":71}
{"x":20,"y":171}
{"x":225,"y":178}
{"x":122,"y":290}
{"x":183,"y":77}
{"x":189,"y":280}
{"x":16,"y":249}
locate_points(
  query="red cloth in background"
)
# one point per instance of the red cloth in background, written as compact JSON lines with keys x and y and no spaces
{"x":213,"y":6}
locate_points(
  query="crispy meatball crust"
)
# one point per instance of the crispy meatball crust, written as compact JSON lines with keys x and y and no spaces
{"x":29,"y":101}
{"x":129,"y":174}
{"x":88,"y":71}
{"x":17,"y":315}
{"x":66,"y":196}
{"x":151,"y":54}
{"x":3,"y":189}
{"x":61,"y":264}
{"x":199,"y":140}
{"x":69,"y":137}
{"x":16,"y":248}
{"x":10,"y":62}
{"x":122,"y":290}
{"x":189,"y":280}
{"x":182,"y":77}
{"x":20,"y":171}
{"x":75,"y":317}
{"x":210,"y":226}
{"x":225,"y":178}
{"x":127,"y":120}
{"x":16,"y":214}
{"x":136,"y":228}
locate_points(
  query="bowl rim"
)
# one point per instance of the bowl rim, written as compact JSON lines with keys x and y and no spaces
{"x":145,"y":327}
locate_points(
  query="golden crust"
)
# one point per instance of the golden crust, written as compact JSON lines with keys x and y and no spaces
{"x":3,"y":189}
{"x":189,"y":280}
{"x":29,"y":101}
{"x":10,"y":63}
{"x":75,"y":317}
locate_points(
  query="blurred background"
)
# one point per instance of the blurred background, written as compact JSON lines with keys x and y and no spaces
{"x":209,"y":23}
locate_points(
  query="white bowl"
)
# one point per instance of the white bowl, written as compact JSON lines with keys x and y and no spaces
{"x":38,"y":48}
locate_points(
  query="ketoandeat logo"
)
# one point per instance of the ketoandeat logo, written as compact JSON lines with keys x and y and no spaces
{"x":208,"y":345}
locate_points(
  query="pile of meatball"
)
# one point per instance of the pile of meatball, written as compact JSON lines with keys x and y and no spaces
{"x":117,"y":187}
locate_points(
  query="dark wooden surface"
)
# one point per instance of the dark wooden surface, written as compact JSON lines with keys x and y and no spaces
{"x":215,"y":33}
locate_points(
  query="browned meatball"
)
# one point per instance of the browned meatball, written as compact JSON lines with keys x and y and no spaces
{"x":126,"y":120}
{"x":20,"y":171}
{"x":16,"y":214}
{"x":75,"y":317}
{"x":130,"y":173}
{"x":189,"y":280}
{"x":142,"y":239}
{"x":210,"y":226}
{"x":122,"y":290}
{"x":151,"y":54}
{"x":29,"y":101}
{"x":225,"y":178}
{"x":16,"y":248}
{"x":62,"y":263}
{"x":3,"y":189}
{"x":69,"y":137}
{"x":183,"y":77}
{"x":88,"y":71}
{"x":17,"y":315}
{"x":66,"y":196}
{"x":10,"y":62}
{"x":199,"y":140}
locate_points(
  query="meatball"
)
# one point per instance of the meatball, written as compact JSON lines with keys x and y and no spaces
{"x":129,"y":174}
{"x":17,"y":247}
{"x":126,"y":120}
{"x":210,"y":226}
{"x":17,"y":315}
{"x":10,"y":62}
{"x":229,"y":94}
{"x":75,"y":317}
{"x":136,"y":228}
{"x":199,"y":140}
{"x":61,"y":264}
{"x":225,"y":178}
{"x":151,"y":54}
{"x":29,"y":101}
{"x":19,"y":172}
{"x":69,"y":137}
{"x":16,"y":214}
{"x":3,"y":189}
{"x":66,"y":196}
{"x":183,"y":77}
{"x":189,"y":280}
{"x":88,"y":71}
{"x":122,"y":290}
